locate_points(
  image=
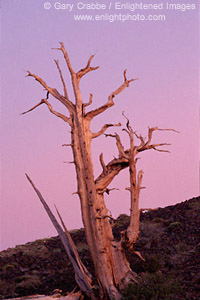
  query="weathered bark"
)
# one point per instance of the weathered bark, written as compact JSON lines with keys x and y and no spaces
{"x":112,"y":269}
{"x":98,"y":229}
{"x":82,"y":275}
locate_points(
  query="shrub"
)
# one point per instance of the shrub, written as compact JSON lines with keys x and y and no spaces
{"x":153,"y":287}
{"x":158,"y":220}
{"x":27,"y":284}
{"x":8,"y":270}
{"x":174,"y":226}
{"x":82,"y":247}
{"x":122,"y":220}
{"x":152,"y":264}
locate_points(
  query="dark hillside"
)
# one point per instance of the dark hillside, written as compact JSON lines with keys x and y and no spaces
{"x":169,"y":241}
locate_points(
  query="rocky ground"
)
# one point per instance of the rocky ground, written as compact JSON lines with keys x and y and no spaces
{"x":169,"y":241}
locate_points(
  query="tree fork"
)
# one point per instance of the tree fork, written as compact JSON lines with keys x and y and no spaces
{"x":113,"y":272}
{"x":94,"y":226}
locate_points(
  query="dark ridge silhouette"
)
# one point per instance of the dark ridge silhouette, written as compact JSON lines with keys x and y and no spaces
{"x":169,"y":241}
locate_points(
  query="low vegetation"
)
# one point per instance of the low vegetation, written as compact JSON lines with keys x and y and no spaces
{"x":169,"y":241}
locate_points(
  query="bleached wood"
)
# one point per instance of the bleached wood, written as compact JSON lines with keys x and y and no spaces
{"x":112,"y":270}
{"x":80,"y":264}
{"x":90,"y":115}
{"x":103,"y":129}
{"x":57,"y":114}
{"x":89,"y":102}
{"x":66,"y":145}
{"x":82,"y":279}
{"x":62,"y":79}
{"x":66,"y":56}
{"x":66,"y":102}
{"x":87,"y":69}
{"x":102,"y":162}
{"x":112,"y":169}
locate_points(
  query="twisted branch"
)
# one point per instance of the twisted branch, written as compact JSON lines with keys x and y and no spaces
{"x":90,"y":115}
{"x":103,"y":129}
{"x":146,"y":146}
{"x":109,"y":172}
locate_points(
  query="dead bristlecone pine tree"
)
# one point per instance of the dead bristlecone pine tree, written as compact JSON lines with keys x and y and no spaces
{"x":112,"y":269}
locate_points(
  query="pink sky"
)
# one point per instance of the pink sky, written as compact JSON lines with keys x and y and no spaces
{"x":163,"y":54}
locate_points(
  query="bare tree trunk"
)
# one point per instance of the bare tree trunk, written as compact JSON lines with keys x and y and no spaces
{"x":106,"y":254}
{"x":112,"y":269}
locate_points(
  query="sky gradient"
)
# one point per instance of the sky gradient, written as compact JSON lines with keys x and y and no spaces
{"x":164,"y":55}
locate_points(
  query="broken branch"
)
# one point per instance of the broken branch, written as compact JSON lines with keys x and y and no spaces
{"x":127,"y":123}
{"x":139,"y":255}
{"x":120,"y":147}
{"x":82,"y":278}
{"x":59,"y":115}
{"x":128,"y":81}
{"x":151,"y":130}
{"x":103,"y":129}
{"x":66,"y":102}
{"x":66,"y":56}
{"x":67,"y":145}
{"x":62,"y":79}
{"x":81,"y":265}
{"x":102,"y":162}
{"x":145,"y":146}
{"x":87,"y":69}
{"x":89,"y":102}
{"x":109,"y":190}
{"x":159,"y":150}
{"x":112,"y":169}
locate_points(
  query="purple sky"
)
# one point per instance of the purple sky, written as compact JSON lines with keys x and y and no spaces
{"x":163,"y":54}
